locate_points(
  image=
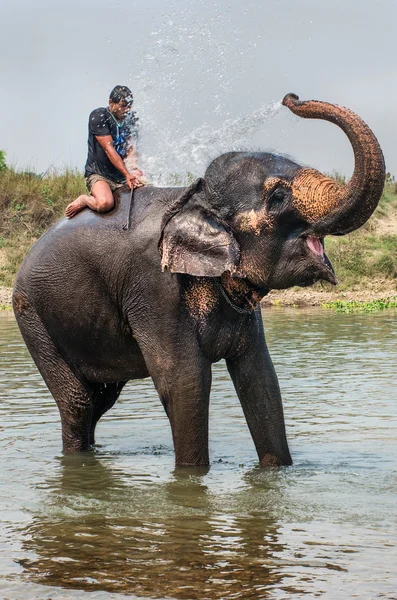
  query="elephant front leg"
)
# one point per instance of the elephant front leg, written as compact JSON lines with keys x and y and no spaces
{"x":257,"y":387}
{"x":184,"y":391}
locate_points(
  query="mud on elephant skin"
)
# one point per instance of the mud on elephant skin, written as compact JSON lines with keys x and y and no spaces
{"x":180,"y":289}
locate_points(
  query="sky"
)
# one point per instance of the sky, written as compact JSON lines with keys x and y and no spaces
{"x":207,"y":76}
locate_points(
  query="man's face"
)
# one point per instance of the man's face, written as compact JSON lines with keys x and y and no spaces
{"x":120,"y":109}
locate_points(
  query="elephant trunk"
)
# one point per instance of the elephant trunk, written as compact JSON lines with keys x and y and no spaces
{"x":330,"y":207}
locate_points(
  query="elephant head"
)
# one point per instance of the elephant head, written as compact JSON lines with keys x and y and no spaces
{"x":262,"y":217}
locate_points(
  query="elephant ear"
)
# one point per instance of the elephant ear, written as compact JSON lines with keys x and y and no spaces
{"x":194,"y":241}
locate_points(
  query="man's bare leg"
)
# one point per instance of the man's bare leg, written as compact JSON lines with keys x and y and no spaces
{"x":101,"y":200}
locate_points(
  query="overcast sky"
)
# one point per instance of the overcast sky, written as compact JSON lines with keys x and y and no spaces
{"x":206,"y":76}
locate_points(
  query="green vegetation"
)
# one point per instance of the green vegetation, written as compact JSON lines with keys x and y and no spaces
{"x":360,"y":256}
{"x":358,"y":306}
{"x":31,"y":202}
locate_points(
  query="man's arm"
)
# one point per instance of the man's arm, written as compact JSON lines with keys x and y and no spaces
{"x":106,"y":142}
{"x":132,"y":179}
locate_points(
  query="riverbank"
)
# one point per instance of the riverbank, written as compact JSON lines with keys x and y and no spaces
{"x":369,"y":291}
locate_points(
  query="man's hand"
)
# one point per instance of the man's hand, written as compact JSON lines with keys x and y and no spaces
{"x":130,"y":180}
{"x":135,"y":179}
{"x":138,"y":178}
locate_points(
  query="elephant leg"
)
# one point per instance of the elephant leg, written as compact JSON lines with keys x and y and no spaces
{"x":257,"y":387}
{"x":73,"y":395}
{"x":184,"y":389}
{"x":105,"y":397}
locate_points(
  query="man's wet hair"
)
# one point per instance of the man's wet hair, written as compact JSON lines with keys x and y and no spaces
{"x":121,"y":93}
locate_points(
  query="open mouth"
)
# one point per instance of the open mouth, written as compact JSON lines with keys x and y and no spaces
{"x":316,"y":245}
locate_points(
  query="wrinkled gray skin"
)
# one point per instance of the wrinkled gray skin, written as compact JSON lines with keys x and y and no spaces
{"x":96,"y":309}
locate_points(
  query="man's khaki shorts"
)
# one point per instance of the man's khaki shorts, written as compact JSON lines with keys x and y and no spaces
{"x":92,"y":179}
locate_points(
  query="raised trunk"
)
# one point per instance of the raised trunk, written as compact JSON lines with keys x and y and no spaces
{"x":330,"y":207}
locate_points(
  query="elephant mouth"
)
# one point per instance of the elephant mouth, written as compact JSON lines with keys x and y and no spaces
{"x":316,"y":247}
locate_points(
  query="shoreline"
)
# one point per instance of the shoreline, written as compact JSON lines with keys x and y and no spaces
{"x":296,"y":297}
{"x":306,"y":297}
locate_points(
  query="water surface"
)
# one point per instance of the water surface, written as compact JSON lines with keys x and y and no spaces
{"x":122,"y":522}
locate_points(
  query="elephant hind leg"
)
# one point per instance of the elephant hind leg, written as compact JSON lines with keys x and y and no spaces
{"x":105,"y":397}
{"x":74,"y":396}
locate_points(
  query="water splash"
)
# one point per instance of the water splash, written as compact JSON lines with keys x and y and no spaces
{"x":180,"y":159}
{"x":186,"y":73}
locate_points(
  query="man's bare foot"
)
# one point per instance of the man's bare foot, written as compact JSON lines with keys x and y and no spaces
{"x":76,"y":206}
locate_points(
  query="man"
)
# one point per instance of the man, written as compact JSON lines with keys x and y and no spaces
{"x":112,"y":137}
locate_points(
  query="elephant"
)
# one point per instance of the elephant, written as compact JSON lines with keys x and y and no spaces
{"x":99,"y":304}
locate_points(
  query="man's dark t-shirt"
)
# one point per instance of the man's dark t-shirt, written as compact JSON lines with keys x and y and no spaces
{"x":101,"y":122}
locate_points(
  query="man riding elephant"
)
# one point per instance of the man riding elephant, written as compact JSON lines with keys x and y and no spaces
{"x":112,"y":138}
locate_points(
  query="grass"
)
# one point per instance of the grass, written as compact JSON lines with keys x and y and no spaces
{"x":358,"y":306}
{"x":360,"y":255}
{"x":30,"y":203}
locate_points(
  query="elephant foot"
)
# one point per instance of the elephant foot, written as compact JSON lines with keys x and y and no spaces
{"x":270,"y":460}
{"x":185,"y":456}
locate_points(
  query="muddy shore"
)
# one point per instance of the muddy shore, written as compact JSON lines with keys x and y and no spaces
{"x":298,"y":296}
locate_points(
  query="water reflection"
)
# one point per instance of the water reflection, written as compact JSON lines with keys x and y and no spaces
{"x":99,"y":531}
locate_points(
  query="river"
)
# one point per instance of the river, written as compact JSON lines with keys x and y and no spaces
{"x":123,"y":523}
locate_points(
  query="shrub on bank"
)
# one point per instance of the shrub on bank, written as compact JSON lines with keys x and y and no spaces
{"x":346,"y":306}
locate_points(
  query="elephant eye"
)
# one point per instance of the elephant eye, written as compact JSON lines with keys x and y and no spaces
{"x":276,"y":197}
